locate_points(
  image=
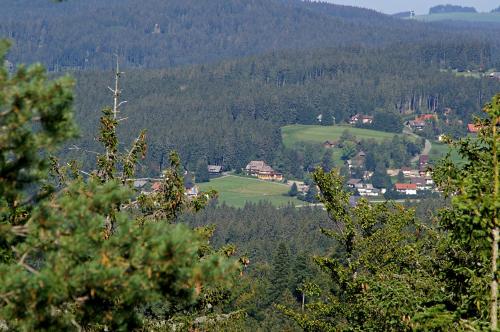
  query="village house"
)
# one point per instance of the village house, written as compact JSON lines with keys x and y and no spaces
{"x":421,"y":183}
{"x":139,"y":184}
{"x":424,"y":171}
{"x":409,"y":172}
{"x":367,"y":190}
{"x":262,"y":171}
{"x":406,"y":188}
{"x":214,"y":169}
{"x":495,"y":75}
{"x":421,"y":121}
{"x":392,"y":172}
{"x":359,"y":118}
{"x":353,"y":182}
{"x":329,"y":144}
{"x":472,"y":128}
{"x":301,"y":186}
{"x":155,"y":187}
{"x":367,"y":175}
{"x":191,"y":190}
{"x":417,"y":125}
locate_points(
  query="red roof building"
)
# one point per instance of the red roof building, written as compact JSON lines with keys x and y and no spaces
{"x":405,"y":186}
{"x":472,"y":128}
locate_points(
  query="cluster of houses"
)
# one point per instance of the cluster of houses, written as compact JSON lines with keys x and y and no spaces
{"x":419,"y":179}
{"x":421,"y":121}
{"x":416,"y":180}
{"x":365,"y":189}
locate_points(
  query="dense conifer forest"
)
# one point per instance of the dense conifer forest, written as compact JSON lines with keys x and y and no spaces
{"x":159,"y":34}
{"x":232,"y":112}
{"x":84,"y":246}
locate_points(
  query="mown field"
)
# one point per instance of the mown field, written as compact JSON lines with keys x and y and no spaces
{"x":440,"y":150}
{"x":318,"y":134}
{"x":236,"y":191}
{"x":468,"y":17}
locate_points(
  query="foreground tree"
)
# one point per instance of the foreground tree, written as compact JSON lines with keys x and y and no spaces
{"x":472,"y":223}
{"x":89,"y":253}
{"x":383,"y":272}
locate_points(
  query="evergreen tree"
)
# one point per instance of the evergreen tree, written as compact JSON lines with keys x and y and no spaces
{"x":92,"y":253}
{"x":401,"y":177}
{"x":293,"y":190}
{"x":380,"y":179}
{"x":327,"y":160}
{"x":311,"y":195}
{"x":201,"y":171}
{"x":280,"y":273}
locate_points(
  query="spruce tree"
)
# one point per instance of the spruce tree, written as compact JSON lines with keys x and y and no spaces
{"x":293,"y":190}
{"x":280,"y":273}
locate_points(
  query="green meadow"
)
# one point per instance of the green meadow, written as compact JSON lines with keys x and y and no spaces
{"x":319,"y":134}
{"x":237,"y":190}
{"x":468,"y":17}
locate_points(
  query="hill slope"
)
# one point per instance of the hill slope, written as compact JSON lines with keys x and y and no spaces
{"x":158,"y":33}
{"x":232,"y":112}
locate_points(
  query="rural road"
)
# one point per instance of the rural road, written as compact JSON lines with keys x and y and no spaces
{"x":427,"y":147}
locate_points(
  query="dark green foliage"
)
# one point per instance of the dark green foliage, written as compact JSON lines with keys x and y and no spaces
{"x":156,"y":34}
{"x":293,"y":190}
{"x":312,"y":194}
{"x":201,"y":172}
{"x":257,"y":229}
{"x":380,"y":179}
{"x":383,"y":272}
{"x":35,"y":116}
{"x":386,"y":120}
{"x":280,"y":273}
{"x":326,"y":161}
{"x":85,"y":279}
{"x":231,"y":113}
{"x":471,"y":222}
{"x":87,"y":256}
{"x":395,"y":153}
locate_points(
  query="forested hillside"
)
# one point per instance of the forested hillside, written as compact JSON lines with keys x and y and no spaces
{"x":232,"y":112}
{"x":105,"y":227}
{"x":155,"y":33}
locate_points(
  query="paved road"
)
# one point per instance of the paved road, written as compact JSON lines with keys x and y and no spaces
{"x":427,"y":148}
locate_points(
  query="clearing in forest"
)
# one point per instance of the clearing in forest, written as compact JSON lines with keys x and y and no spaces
{"x":237,"y":190}
{"x":319,"y":134}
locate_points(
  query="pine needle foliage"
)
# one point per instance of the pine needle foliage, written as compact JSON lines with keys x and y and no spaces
{"x":80,"y":254}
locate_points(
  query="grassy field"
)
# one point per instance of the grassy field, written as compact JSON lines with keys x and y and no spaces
{"x":237,"y":190}
{"x":318,"y":134}
{"x":468,"y":17}
{"x":439,"y":151}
